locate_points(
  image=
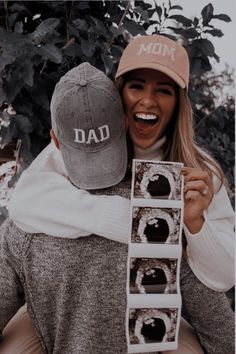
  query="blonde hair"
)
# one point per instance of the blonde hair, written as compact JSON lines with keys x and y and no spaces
{"x":180,"y":144}
{"x":182,"y":147}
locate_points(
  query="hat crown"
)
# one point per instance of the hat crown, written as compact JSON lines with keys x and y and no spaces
{"x":82,"y":106}
{"x":87,"y":117}
{"x":159,"y":53}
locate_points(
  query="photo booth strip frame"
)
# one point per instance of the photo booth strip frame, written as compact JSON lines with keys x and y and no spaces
{"x":153,"y":267}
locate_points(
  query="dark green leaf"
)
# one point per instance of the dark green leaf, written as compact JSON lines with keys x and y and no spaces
{"x":6,"y":59}
{"x":217,"y":58}
{"x":215,"y":32}
{"x":195,"y":21}
{"x":191,"y":33}
{"x":151,"y":12}
{"x":108,"y":64}
{"x":45,"y":28}
{"x":18,"y":27}
{"x":88,"y":47}
{"x":158,"y":10}
{"x":116,"y":51}
{"x":23,"y":123}
{"x":29,"y":73}
{"x":40,"y":97}
{"x":205,"y":46}
{"x":143,"y":13}
{"x":182,"y":19}
{"x":2,"y":92}
{"x":99,"y":28}
{"x":50,"y":52}
{"x":223,"y":17}
{"x":117,"y":30}
{"x":81,"y":24}
{"x":176,"y":7}
{"x":165,"y":12}
{"x":73,"y":50}
{"x":180,"y":31}
{"x":207,"y":14}
{"x":17,"y":7}
{"x":133,"y":28}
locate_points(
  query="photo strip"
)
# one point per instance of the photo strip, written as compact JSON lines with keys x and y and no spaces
{"x":155,"y":248}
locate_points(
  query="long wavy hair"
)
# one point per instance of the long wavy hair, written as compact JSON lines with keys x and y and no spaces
{"x":180,"y":145}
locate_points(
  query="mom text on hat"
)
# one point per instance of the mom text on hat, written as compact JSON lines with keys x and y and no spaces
{"x":157,"y":48}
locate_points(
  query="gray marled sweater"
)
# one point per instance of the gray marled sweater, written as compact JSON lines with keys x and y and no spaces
{"x":76,"y":293}
{"x":75,"y":290}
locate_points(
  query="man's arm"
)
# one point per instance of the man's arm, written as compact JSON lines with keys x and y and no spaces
{"x":11,"y":291}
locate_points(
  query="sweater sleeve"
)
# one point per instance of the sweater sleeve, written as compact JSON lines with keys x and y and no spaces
{"x":211,"y":250}
{"x":44,"y":201}
{"x":11,"y":291}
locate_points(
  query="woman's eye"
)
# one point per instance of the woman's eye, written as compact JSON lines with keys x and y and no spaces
{"x":165,"y":91}
{"x":135,"y":86}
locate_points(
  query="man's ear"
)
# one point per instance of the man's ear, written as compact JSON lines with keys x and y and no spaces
{"x":54,"y":138}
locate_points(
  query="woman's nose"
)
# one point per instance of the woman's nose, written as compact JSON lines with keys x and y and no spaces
{"x":149,"y":99}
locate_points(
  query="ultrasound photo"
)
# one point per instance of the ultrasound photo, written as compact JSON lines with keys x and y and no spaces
{"x":152,"y":325}
{"x":153,"y":276}
{"x":157,"y":180}
{"x":156,"y":225}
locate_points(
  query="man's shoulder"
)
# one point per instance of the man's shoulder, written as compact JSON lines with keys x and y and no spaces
{"x":13,"y":238}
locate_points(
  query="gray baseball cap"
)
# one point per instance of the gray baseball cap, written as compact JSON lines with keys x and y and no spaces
{"x":88,"y":120}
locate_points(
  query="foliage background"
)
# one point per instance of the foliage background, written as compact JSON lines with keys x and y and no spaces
{"x":41,"y":40}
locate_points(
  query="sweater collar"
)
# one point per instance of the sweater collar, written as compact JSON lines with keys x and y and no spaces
{"x":154,"y":152}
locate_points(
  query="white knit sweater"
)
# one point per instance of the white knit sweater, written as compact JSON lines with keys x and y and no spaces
{"x":45,"y":201}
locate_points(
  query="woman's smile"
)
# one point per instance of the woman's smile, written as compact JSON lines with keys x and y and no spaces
{"x":145,"y":123}
{"x":149,"y":98}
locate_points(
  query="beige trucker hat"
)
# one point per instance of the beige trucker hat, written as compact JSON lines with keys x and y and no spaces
{"x":156,"y":52}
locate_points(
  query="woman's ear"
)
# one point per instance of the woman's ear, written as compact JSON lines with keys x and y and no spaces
{"x":54,"y":138}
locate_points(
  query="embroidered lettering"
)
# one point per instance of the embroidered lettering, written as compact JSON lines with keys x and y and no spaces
{"x":158,"y":49}
{"x":92,"y":136}
{"x":79,"y":136}
{"x":144,"y":48}
{"x":102,"y":134}
{"x":169,"y":51}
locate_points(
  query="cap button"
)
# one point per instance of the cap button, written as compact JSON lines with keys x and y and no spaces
{"x":83,"y":82}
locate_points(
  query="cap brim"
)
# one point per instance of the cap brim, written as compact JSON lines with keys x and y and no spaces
{"x":154,"y":66}
{"x":96,"y":170}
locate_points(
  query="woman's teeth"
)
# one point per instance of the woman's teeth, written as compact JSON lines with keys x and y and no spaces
{"x":147,"y":118}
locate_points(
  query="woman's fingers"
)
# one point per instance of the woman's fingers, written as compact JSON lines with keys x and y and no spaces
{"x":197,"y":185}
{"x":191,"y":174}
{"x":197,"y":180}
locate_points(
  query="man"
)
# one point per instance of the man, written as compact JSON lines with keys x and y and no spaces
{"x":75,"y":290}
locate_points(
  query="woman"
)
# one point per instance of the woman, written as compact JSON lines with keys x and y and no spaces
{"x":152,"y":78}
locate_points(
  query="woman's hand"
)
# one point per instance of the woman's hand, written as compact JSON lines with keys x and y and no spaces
{"x":198,"y":193}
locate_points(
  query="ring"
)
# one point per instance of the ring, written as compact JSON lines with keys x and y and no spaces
{"x":205,"y":191}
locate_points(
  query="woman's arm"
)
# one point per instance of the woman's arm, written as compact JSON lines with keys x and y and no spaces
{"x":45,"y":201}
{"x":211,"y":250}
